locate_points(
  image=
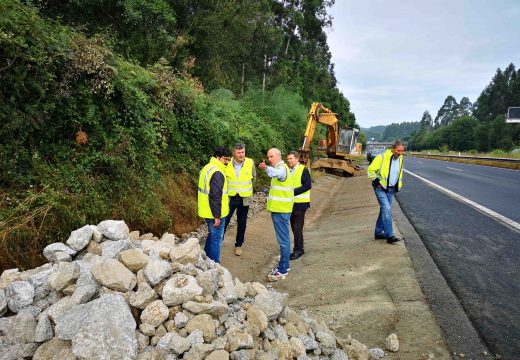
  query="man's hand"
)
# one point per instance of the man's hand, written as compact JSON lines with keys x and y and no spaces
{"x":217,"y":223}
{"x":262,"y":165}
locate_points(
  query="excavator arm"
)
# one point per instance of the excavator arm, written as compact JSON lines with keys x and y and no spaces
{"x":338,"y":156}
{"x":319,"y":114}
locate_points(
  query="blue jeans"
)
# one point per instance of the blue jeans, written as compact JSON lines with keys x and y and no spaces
{"x":214,"y":240}
{"x":281,"y":228}
{"x":384,"y":220}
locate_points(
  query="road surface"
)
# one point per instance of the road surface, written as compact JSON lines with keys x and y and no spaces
{"x":478,"y":255}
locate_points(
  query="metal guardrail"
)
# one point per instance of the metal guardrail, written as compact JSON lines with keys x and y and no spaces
{"x":479,"y":160}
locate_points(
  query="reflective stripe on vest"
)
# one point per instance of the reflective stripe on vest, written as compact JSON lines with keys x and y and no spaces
{"x":242,"y":186}
{"x":297,"y":182}
{"x":281,"y":193}
{"x":203,"y":208}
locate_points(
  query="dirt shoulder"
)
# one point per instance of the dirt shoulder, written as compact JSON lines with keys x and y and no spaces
{"x":357,"y":285}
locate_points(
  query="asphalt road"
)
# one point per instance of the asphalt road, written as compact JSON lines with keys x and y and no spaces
{"x":495,"y":188}
{"x":478,"y":256}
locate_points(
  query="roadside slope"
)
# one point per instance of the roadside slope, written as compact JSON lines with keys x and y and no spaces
{"x":357,"y":285}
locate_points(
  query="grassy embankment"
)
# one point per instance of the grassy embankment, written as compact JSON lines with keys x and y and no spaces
{"x":149,"y":132}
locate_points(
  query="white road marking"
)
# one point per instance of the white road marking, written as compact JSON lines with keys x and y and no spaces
{"x":461,"y":198}
{"x":453,"y":168}
{"x":420,"y":162}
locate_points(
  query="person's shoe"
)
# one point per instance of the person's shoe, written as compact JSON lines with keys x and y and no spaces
{"x":238,"y":251}
{"x":276,"y":275}
{"x":380,"y":237}
{"x":392,"y":240}
{"x":296,"y":254}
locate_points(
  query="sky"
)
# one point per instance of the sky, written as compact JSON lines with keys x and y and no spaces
{"x":394,"y":59}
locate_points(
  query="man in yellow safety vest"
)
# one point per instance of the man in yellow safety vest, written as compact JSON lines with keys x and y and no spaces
{"x":213,"y":201}
{"x":240,"y":175}
{"x":280,"y":205}
{"x":386,"y":173}
{"x":302,"y":200}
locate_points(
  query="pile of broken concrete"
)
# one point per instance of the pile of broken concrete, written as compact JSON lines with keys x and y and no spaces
{"x":109,"y":294}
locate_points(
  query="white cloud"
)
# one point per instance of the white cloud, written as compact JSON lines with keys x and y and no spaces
{"x":396,"y":59}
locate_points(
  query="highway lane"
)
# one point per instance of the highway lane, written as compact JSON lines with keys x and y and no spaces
{"x":495,"y":188}
{"x":478,"y":255}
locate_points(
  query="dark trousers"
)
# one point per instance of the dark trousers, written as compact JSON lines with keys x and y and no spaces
{"x":235,"y":203}
{"x":297,"y":220}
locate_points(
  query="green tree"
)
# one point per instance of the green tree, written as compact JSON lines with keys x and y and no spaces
{"x":447,"y":112}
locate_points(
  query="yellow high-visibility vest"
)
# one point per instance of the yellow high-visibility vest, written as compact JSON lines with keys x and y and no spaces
{"x":380,"y":168}
{"x":297,"y":182}
{"x":281,"y":193}
{"x":242,"y":186}
{"x":203,"y":208}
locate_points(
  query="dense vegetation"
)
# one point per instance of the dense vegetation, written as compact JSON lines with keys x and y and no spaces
{"x":155,"y":86}
{"x":474,"y":127}
{"x":392,"y":132}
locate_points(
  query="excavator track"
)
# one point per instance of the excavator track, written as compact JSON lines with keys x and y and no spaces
{"x":349,"y":167}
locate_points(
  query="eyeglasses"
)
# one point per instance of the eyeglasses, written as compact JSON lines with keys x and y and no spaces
{"x":225,"y":158}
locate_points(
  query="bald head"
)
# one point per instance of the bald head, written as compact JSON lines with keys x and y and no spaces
{"x":274,"y":156}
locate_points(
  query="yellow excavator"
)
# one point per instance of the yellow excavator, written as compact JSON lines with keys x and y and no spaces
{"x":340,"y":145}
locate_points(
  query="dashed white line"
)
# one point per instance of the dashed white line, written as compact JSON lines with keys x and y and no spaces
{"x":453,"y":168}
{"x":477,"y":206}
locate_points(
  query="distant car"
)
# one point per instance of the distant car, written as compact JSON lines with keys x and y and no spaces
{"x":371,"y":154}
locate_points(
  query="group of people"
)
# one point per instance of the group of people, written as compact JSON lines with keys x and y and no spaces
{"x":226,"y":185}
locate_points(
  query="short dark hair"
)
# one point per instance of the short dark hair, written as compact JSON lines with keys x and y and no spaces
{"x":397,"y":143}
{"x":221,"y":151}
{"x":294,"y":153}
{"x":239,"y":146}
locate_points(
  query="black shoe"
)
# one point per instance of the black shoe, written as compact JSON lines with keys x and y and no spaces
{"x":296,"y":254}
{"x":392,"y":240}
{"x":379,"y":237}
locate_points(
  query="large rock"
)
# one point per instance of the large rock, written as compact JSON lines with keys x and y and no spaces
{"x":143,"y":296}
{"x":19,"y":294}
{"x":80,"y":238}
{"x":19,"y":329}
{"x":187,"y":252}
{"x":256,"y":320}
{"x":173,"y":342}
{"x":238,"y":339}
{"x":43,"y":331}
{"x":17,"y":351}
{"x":67,"y":274}
{"x":214,"y":308}
{"x":114,"y":275}
{"x":101,"y":329}
{"x":157,"y":270}
{"x":205,"y":323}
{"x":55,"y":349}
{"x":114,"y":229}
{"x":270,"y":303}
{"x":155,"y":313}
{"x":327,"y":341}
{"x":218,"y":355}
{"x":50,"y":251}
{"x":110,"y":249}
{"x":227,"y":291}
{"x":208,"y":281}
{"x":391,"y":343}
{"x":134,"y":259}
{"x":179,"y":289}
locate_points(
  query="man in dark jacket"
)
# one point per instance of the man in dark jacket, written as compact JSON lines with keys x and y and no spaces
{"x":302,"y":200}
